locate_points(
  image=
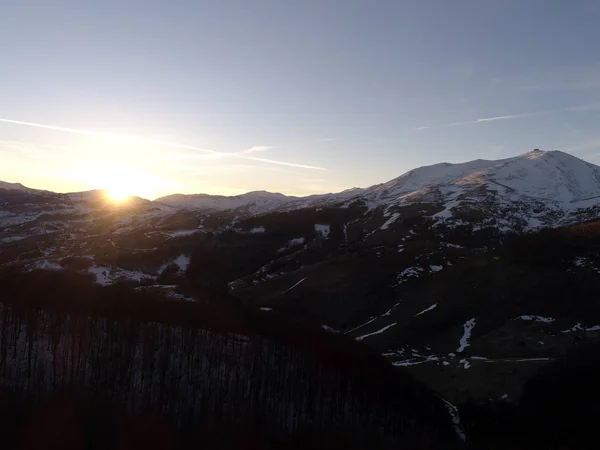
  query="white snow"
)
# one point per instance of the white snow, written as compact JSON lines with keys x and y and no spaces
{"x":182,"y":261}
{"x":101,"y":273}
{"x":295,"y":242}
{"x":579,"y":327}
{"x":436,"y":268}
{"x":371,"y":320}
{"x":390,"y":221}
{"x":537,"y":318}
{"x":464,"y":340}
{"x":410,"y":272}
{"x":425,"y":310}
{"x":504,"y":397}
{"x":466,"y":364}
{"x":181,"y":233}
{"x":46,"y":265}
{"x":257,"y":230}
{"x":107,"y":275}
{"x":322,"y":230}
{"x":264,"y":308}
{"x":328,"y":328}
{"x":389,"y":311}
{"x":289,"y":289}
{"x":415,"y":361}
{"x":387,"y":327}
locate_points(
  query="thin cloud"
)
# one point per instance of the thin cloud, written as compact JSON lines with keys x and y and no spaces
{"x":497,"y":118}
{"x":421,"y":128}
{"x":152,"y":141}
{"x":282,"y":163}
{"x":258,"y":148}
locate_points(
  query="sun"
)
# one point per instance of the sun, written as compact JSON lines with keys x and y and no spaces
{"x":121,"y":185}
{"x":118,"y":194}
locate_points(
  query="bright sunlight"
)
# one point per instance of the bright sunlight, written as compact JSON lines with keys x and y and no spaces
{"x":117,"y":194}
{"x":120,"y":184}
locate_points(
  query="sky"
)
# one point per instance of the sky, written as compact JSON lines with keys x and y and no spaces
{"x":299,"y":97}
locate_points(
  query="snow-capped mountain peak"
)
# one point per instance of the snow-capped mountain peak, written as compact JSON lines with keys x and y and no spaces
{"x":535,"y":189}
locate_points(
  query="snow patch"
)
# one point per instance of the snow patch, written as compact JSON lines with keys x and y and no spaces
{"x":537,"y":318}
{"x":257,"y":230}
{"x":101,"y":273}
{"x":390,"y":221}
{"x":436,"y":268}
{"x":182,"y":261}
{"x":411,"y":272}
{"x":464,"y":340}
{"x":289,"y":289}
{"x":182,"y":233}
{"x":323,"y":230}
{"x":295,"y":242}
{"x":579,"y":327}
{"x":387,"y":327}
{"x":426,"y":310}
{"x":264,"y":308}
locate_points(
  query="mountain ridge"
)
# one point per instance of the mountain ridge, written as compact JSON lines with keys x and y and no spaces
{"x":530,"y":191}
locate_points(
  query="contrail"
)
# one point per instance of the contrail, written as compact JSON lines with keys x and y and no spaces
{"x":152,"y":141}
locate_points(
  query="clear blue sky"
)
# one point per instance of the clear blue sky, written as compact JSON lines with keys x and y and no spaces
{"x":343,"y":85}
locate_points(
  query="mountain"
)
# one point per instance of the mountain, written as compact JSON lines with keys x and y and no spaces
{"x":470,"y":277}
{"x":530,"y":191}
{"x":12,"y":186}
{"x":254,"y":202}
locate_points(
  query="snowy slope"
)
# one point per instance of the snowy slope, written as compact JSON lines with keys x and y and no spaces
{"x":529,"y":191}
{"x":550,"y":176}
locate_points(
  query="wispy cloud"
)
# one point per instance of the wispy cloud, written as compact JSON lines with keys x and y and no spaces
{"x":421,"y":128}
{"x":282,"y":163}
{"x":153,"y":141}
{"x":258,"y":148}
{"x":510,"y":117}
